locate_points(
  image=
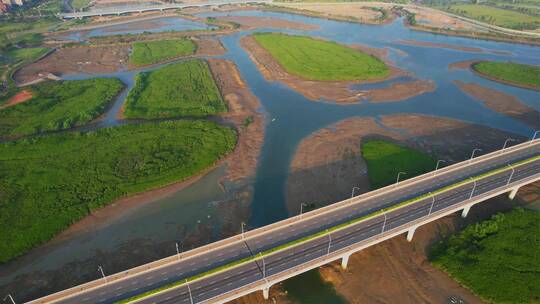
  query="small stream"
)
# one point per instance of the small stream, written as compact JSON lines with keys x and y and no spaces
{"x":290,"y":118}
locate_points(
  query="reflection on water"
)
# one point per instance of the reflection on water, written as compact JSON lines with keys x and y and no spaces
{"x":309,"y":288}
{"x":138,"y":27}
{"x":292,"y":117}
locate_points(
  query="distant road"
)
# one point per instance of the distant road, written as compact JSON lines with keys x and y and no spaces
{"x":257,"y":259}
{"x":118,"y":10}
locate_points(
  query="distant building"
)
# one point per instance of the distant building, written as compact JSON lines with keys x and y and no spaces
{"x":17,"y":2}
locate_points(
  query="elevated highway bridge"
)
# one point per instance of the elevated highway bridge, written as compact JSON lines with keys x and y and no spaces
{"x":119,"y":10}
{"x":257,"y":259}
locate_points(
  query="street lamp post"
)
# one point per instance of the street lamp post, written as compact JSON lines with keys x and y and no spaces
{"x":534,"y":136}
{"x":437,"y":166}
{"x":472,"y":154}
{"x":432,"y":203}
{"x":178,"y":250}
{"x":472,"y":192}
{"x":189,"y":290}
{"x":397,"y":179}
{"x":384,"y":223}
{"x":329,"y":242}
{"x":506,"y":142}
{"x":352,"y":192}
{"x":511,"y":174}
{"x":302,"y":208}
{"x":264,"y":265}
{"x":9,"y":297}
{"x":243,"y":224}
{"x":102,"y":273}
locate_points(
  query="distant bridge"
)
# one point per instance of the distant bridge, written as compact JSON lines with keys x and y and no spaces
{"x":257,"y":259}
{"x":119,"y":10}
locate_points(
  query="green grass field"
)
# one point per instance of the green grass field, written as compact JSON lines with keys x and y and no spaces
{"x":315,"y":59}
{"x":151,"y":52}
{"x":498,"y":259}
{"x":514,"y":73}
{"x":385,"y":160}
{"x":497,"y":16}
{"x":59,"y":105}
{"x":49,"y":182}
{"x":181,"y":89}
{"x":79,"y":4}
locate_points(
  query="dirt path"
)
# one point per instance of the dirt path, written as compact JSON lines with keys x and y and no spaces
{"x":501,"y":102}
{"x":328,"y":163}
{"x":338,"y":91}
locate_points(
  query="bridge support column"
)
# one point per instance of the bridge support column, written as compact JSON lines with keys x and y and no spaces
{"x":410,"y":233}
{"x":465,"y":211}
{"x":345,"y":261}
{"x":513,"y":193}
{"x":266,"y":292}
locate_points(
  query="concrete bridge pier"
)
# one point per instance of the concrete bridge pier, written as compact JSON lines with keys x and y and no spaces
{"x":410,"y":233}
{"x":345,"y":261}
{"x":513,"y":193}
{"x":266,"y":292}
{"x":466,"y":211}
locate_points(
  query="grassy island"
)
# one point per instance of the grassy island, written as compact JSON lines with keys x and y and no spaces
{"x":49,"y":182}
{"x":385,"y":160}
{"x":178,"y":90}
{"x":59,"y":105}
{"x":521,"y":75}
{"x":498,"y":259}
{"x":315,"y":59}
{"x":150,"y":52}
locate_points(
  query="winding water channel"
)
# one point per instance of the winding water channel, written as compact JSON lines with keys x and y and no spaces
{"x":290,"y":118}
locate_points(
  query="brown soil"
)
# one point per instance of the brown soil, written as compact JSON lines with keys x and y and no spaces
{"x":338,"y":91}
{"x":251,"y":22}
{"x":501,"y":102}
{"x":208,"y":46}
{"x":358,"y":12}
{"x":18,"y":98}
{"x":462,"y":65}
{"x":436,"y":19}
{"x":441,"y":45}
{"x":328,"y":164}
{"x":243,"y":105}
{"x":77,"y":59}
{"x":400,"y":91}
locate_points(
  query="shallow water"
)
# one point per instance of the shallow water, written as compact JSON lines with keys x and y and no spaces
{"x":137,"y":27}
{"x":291,"y":117}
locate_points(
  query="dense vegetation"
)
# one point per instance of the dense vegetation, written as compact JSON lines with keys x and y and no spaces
{"x":79,"y":4}
{"x":182,"y":89}
{"x":49,"y":182}
{"x":321,"y":60}
{"x":59,"y":105}
{"x":498,"y":16}
{"x":498,"y":259}
{"x":514,"y":73}
{"x":150,"y":52}
{"x":385,"y":160}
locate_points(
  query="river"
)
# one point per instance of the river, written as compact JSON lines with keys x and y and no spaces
{"x":151,"y":230}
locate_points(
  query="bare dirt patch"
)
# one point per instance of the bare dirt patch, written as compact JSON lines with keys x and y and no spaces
{"x":462,"y":65}
{"x":243,"y":113}
{"x":77,"y":59}
{"x":362,"y":12}
{"x":338,"y":91}
{"x":436,"y":19}
{"x":501,"y":102}
{"x":251,"y":22}
{"x":328,"y":163}
{"x":18,"y":98}
{"x":208,"y":46}
{"x":400,"y":91}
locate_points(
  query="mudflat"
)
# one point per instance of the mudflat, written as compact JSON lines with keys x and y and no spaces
{"x":251,"y":22}
{"x":328,"y":163}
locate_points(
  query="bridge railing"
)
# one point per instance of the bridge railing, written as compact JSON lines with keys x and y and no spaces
{"x":167,"y":261}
